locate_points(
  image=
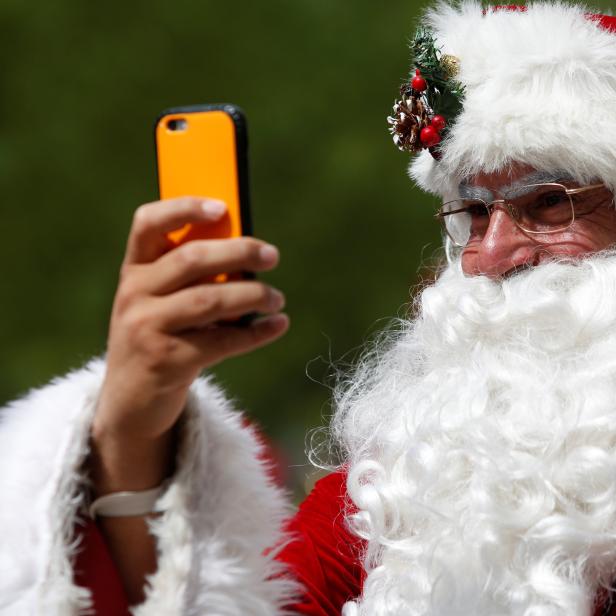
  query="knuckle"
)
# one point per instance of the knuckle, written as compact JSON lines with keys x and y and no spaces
{"x":158,"y":354}
{"x":255,"y":251}
{"x":262,"y":292}
{"x":153,"y":347}
{"x":187,"y":203}
{"x":126,"y":294}
{"x":190,"y":254}
{"x":131,"y":275}
{"x":207,"y":301}
{"x":142,"y":218}
{"x":137,"y":322}
{"x":160,"y":350}
{"x":247,"y":249}
{"x":126,"y":270}
{"x":123,"y":299}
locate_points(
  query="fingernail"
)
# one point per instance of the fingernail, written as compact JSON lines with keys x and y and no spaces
{"x":214,"y":208}
{"x":276,"y":300}
{"x":268,"y":254}
{"x":274,"y":322}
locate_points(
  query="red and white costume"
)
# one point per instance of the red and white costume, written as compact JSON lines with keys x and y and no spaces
{"x":228,"y":542}
{"x":55,"y":562}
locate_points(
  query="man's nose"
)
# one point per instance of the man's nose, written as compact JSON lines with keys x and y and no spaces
{"x":504,"y":247}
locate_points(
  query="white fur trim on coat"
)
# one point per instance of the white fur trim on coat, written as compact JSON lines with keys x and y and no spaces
{"x":540,"y":89}
{"x":222,"y":509}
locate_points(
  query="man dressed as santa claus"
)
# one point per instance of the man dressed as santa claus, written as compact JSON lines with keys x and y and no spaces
{"x":478,"y":438}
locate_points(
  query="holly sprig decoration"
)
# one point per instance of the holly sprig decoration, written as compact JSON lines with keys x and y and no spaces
{"x":443,"y":92}
{"x":430,"y":100}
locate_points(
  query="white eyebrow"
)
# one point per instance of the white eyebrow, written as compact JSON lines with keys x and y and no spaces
{"x":513,"y":189}
{"x":475,"y":192}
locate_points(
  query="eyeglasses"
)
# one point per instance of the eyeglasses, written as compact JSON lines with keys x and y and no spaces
{"x":535,"y":209}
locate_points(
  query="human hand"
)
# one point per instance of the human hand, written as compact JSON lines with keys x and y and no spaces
{"x":165,"y":325}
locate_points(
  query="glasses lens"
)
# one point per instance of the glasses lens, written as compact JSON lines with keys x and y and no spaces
{"x":542,"y":208}
{"x":589,"y":199}
{"x":465,"y":220}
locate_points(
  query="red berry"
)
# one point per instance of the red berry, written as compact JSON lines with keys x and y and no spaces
{"x":429,"y":136}
{"x":419,"y":83}
{"x":439,"y":122}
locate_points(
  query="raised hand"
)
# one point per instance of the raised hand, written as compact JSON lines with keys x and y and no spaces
{"x":166,"y":327}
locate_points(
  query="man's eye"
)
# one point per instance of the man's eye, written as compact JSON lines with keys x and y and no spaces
{"x":476,"y":210}
{"x":550,"y":200}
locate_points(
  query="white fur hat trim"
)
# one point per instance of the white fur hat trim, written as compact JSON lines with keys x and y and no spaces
{"x":540,"y":89}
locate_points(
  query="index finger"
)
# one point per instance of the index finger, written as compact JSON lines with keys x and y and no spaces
{"x":148,"y":235}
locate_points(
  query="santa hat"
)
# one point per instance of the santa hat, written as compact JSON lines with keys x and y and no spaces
{"x":537,"y":85}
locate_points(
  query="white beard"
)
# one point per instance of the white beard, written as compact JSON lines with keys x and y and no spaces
{"x":481,"y":447}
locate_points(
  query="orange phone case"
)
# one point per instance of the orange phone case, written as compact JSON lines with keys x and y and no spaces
{"x":202,"y":151}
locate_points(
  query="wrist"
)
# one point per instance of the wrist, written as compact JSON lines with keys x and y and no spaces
{"x":118,"y":464}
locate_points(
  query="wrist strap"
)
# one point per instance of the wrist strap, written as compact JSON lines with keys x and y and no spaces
{"x":120,"y":504}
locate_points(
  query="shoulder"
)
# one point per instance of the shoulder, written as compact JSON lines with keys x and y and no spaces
{"x":322,"y":552}
{"x":328,"y":497}
{"x":323,"y":516}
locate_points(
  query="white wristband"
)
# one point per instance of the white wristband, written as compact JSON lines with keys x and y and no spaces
{"x":120,"y":504}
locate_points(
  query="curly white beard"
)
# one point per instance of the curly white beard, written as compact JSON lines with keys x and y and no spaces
{"x":481,"y":446}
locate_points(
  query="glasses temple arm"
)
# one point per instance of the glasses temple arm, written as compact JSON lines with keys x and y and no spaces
{"x":575,"y":191}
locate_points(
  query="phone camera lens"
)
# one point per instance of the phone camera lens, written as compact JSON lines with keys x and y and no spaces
{"x":176,"y":125}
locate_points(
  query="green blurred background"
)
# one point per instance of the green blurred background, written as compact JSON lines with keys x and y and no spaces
{"x":82,"y":83}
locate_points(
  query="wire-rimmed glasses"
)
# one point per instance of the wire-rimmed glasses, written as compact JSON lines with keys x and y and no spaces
{"x":536,"y":209}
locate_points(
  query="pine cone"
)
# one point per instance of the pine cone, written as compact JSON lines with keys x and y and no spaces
{"x":409,"y":117}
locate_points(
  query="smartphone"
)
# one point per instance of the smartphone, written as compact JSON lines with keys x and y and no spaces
{"x":203,"y":150}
